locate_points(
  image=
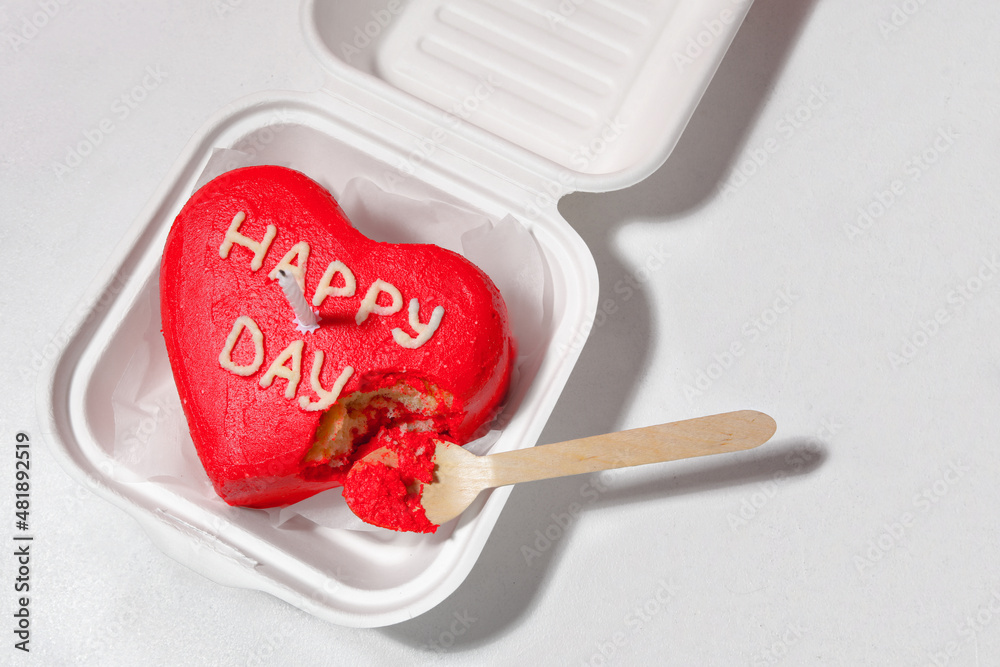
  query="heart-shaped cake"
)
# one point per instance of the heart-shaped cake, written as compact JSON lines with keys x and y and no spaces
{"x":294,"y":339}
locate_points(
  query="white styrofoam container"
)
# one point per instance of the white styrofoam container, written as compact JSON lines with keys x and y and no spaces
{"x":500,"y":105}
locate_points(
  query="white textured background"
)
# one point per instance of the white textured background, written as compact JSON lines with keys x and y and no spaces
{"x":865,"y":533}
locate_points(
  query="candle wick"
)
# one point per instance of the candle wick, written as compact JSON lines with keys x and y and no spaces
{"x":306,"y":319}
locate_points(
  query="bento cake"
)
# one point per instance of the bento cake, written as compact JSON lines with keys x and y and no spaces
{"x":411,"y":337}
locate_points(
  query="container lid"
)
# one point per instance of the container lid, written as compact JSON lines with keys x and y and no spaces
{"x":593,"y":94}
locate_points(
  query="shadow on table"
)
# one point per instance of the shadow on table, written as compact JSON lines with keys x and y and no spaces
{"x":503,"y":583}
{"x":536,"y":526}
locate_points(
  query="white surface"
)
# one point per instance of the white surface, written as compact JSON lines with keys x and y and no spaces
{"x":690,"y":260}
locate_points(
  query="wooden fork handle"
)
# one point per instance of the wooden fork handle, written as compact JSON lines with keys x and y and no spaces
{"x":716,"y":434}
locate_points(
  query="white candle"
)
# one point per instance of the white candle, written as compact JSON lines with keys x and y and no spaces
{"x":305,"y":317}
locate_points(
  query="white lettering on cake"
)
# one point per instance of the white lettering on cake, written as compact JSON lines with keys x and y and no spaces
{"x":326,"y":288}
{"x":299,"y":252}
{"x":278,"y":368}
{"x":326,"y":398}
{"x":226,"y":356}
{"x":259,"y":249}
{"x":370,"y":303}
{"x":288,"y":364}
{"x":424,"y":331}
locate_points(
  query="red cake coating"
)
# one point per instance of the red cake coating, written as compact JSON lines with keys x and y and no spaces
{"x":390,"y":495}
{"x":257,"y":444}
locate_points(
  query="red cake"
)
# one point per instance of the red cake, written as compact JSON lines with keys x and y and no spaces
{"x":388,"y":492}
{"x":409,"y":337}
